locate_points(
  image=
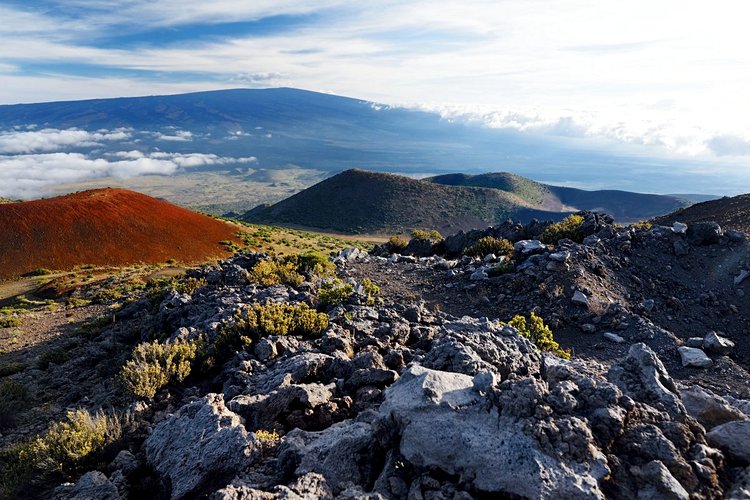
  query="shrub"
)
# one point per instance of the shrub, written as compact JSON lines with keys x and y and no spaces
{"x":188,"y":285}
{"x":61,"y":449}
{"x":10,"y":321}
{"x":397,"y":244}
{"x":13,"y":398}
{"x":11,"y":369}
{"x":569,"y":227}
{"x":642,"y":225}
{"x":333,"y":292}
{"x":280,"y":319}
{"x":424,"y":234}
{"x":372,"y":291}
{"x":41,"y":271}
{"x":154,"y":365}
{"x":312,"y":263}
{"x":56,"y":356}
{"x":539,"y":333}
{"x":501,"y":268}
{"x":488,"y":245}
{"x":271,"y":272}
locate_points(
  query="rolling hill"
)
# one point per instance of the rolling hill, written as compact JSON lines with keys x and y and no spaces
{"x":730,"y":212}
{"x":358,"y":201}
{"x":624,"y":206}
{"x":104,"y":227}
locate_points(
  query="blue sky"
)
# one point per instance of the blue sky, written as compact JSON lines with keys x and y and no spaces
{"x":668,"y":78}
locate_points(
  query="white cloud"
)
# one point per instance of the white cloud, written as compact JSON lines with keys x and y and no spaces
{"x":31,"y":175}
{"x":178,"y":136}
{"x":29,"y":141}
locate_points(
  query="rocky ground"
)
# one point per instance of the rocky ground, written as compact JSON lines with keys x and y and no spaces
{"x":425,"y":395}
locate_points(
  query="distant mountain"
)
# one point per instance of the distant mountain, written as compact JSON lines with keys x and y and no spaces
{"x":730,"y":212}
{"x":104,"y":227}
{"x":322,"y":133}
{"x":624,"y":206}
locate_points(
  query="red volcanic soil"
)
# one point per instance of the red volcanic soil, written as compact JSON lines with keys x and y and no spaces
{"x":104,"y":227}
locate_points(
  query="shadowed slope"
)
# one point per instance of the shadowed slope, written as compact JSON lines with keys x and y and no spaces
{"x":104,"y":227}
{"x":730,"y":212}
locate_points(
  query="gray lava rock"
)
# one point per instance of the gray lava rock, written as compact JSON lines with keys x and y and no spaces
{"x":717,"y":344}
{"x":529,"y":247}
{"x":658,"y":483}
{"x":681,"y":248}
{"x":704,"y":233}
{"x":261,"y":411}
{"x":733,"y":438}
{"x":694,"y":357}
{"x":580,"y":298}
{"x":679,"y":228}
{"x":642,"y":376}
{"x":202,"y":443}
{"x":708,"y":408}
{"x":444,"y":423}
{"x":613,"y":337}
{"x":94,"y":485}
{"x":343,"y":453}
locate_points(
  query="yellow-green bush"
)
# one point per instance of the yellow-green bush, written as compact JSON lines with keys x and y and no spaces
{"x":272,"y":272}
{"x":280,"y":319}
{"x":188,"y":285}
{"x":154,"y":365}
{"x":333,"y":292}
{"x":372,"y":291}
{"x":63,"y":449}
{"x":539,"y":333}
{"x":312,"y":263}
{"x":424,"y":234}
{"x":488,"y":245}
{"x":569,"y":227}
{"x":397,"y":244}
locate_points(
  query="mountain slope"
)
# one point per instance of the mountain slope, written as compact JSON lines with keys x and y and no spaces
{"x":369,"y":202}
{"x":104,"y":227}
{"x":624,"y":206}
{"x":730,"y":212}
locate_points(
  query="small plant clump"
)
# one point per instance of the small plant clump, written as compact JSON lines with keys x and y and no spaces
{"x":11,"y":369}
{"x":280,"y":319}
{"x":334,"y":292}
{"x":312,"y":264}
{"x":154,"y":365}
{"x":501,"y":268}
{"x":56,"y":356}
{"x":540,"y":334}
{"x":642,"y":225}
{"x":488,"y":245}
{"x":424,"y":234}
{"x":372,"y":291}
{"x":568,"y":228}
{"x":397,"y":244}
{"x":40,"y":271}
{"x":13,"y":397}
{"x":10,"y":321}
{"x":272,"y":272}
{"x":61,"y":450}
{"x":188,"y":285}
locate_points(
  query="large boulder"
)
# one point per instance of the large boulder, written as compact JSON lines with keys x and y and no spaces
{"x":202,"y":445}
{"x":704,"y":233}
{"x":441,"y":421}
{"x":343,"y":453}
{"x":708,"y":408}
{"x":733,"y":438}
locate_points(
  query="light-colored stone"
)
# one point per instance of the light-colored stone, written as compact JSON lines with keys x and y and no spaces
{"x":694,"y":357}
{"x":580,"y":298}
{"x":528,"y":247}
{"x":717,"y":344}
{"x":679,"y":228}
{"x":613,"y":337}
{"x":708,"y":408}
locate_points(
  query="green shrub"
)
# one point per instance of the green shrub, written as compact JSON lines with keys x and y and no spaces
{"x":569,"y":227}
{"x":272,"y":272}
{"x":10,"y":321}
{"x":642,"y":225}
{"x":397,"y":244}
{"x":62,"y":449}
{"x":57,"y":356}
{"x":501,"y":268}
{"x":280,"y":319}
{"x":488,"y":245}
{"x":13,"y":398}
{"x":312,"y":263}
{"x":539,"y":333}
{"x":188,"y":285}
{"x":372,"y":291}
{"x":11,"y":369}
{"x":424,"y":234}
{"x":154,"y":365}
{"x":334,"y":292}
{"x":41,"y":271}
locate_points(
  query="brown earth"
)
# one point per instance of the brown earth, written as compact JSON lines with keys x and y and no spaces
{"x":104,"y":227}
